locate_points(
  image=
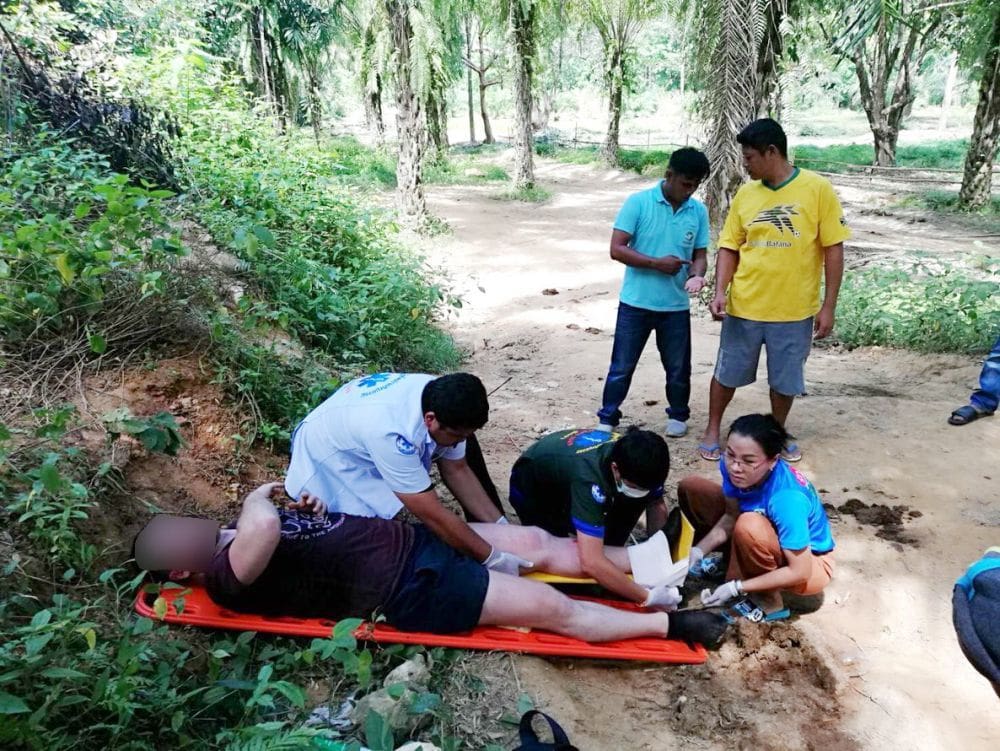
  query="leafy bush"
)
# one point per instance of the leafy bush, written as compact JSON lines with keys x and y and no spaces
{"x":71,"y":232}
{"x":928,"y":310}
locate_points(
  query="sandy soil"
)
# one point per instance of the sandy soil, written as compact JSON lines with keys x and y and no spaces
{"x":878,"y":665}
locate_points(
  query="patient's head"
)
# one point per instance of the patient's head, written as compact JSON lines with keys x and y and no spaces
{"x":174,"y":546}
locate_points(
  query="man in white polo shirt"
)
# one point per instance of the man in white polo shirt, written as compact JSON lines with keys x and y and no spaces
{"x":367,"y":451}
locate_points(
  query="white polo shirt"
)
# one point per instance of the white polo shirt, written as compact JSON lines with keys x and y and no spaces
{"x":366,"y":443}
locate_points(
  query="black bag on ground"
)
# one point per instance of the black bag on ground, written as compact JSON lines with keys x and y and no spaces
{"x":530,"y":740}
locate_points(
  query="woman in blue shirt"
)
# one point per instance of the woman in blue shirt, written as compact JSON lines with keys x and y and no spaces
{"x":780,"y":533}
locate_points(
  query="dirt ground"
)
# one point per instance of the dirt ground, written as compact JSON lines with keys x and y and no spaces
{"x":878,"y":665}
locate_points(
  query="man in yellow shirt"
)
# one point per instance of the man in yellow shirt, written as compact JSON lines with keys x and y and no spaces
{"x":783,"y":229}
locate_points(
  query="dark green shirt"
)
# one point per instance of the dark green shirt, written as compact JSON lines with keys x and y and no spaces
{"x":572,"y":468}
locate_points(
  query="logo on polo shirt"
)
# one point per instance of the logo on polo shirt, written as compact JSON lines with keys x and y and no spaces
{"x":689,"y":236}
{"x":376,"y":382}
{"x":779,"y":217}
{"x":404,"y":447}
{"x":597,"y":494}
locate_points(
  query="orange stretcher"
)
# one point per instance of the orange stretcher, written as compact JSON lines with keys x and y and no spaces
{"x":199,"y":610}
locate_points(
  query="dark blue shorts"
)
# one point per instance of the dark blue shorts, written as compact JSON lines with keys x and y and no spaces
{"x":440,"y":591}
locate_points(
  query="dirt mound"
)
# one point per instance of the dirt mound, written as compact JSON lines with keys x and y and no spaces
{"x":889,"y":519}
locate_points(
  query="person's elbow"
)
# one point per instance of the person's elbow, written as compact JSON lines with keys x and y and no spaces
{"x":265,"y":527}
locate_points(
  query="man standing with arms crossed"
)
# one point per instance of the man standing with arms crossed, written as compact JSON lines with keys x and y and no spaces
{"x":661,"y":235}
{"x":782,"y":230}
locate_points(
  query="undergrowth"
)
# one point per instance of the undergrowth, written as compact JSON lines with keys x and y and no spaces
{"x":923,"y":307}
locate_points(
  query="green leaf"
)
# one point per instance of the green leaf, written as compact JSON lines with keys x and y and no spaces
{"x":63,"y":673}
{"x":98,"y":344}
{"x":81,"y":210}
{"x":41,"y":618}
{"x":65,"y":270}
{"x":425,"y":702}
{"x":10,"y":704}
{"x":160,"y":608}
{"x":378,"y":734}
{"x":52,"y":481}
{"x":525,"y":704}
{"x":264,"y":235}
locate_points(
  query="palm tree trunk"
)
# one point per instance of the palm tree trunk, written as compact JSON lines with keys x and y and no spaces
{"x":468,"y":80}
{"x":523,"y":38}
{"x":615,"y":79}
{"x":977,"y":180}
{"x":409,"y":120}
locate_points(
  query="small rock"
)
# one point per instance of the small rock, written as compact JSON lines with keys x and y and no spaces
{"x":550,"y":291}
{"x":572,"y":327}
{"x":592,"y":330}
{"x":415,"y":670}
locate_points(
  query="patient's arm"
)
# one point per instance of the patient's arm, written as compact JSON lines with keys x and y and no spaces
{"x":257,"y":533}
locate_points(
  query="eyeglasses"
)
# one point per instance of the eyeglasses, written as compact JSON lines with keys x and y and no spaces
{"x":732,"y":459}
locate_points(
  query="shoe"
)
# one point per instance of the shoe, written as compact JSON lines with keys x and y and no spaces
{"x":791,"y":452}
{"x":605,"y":427}
{"x":965,"y":415}
{"x":676,"y":428}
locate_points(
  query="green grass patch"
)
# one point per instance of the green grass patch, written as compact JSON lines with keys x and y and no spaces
{"x":532,"y":194}
{"x":635,"y":160}
{"x":921,"y":307}
{"x":940,"y":155}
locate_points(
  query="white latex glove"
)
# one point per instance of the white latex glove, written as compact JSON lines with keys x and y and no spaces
{"x":502,"y":520}
{"x":663,"y":598}
{"x":722,"y":594}
{"x":694,"y":560}
{"x":506,"y":563}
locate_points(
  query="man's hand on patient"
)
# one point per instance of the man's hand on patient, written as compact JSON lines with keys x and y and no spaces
{"x":506,"y":563}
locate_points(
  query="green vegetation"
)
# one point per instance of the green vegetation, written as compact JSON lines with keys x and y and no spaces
{"x":643,"y":161}
{"x":921,"y":307}
{"x":531,"y":194}
{"x":939,"y":155}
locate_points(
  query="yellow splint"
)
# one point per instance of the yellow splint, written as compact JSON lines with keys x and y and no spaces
{"x":679,"y":551}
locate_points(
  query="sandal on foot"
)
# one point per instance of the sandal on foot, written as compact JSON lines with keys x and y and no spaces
{"x":710,"y":452}
{"x":791,"y":453}
{"x":965,"y":415}
{"x":746,"y":608}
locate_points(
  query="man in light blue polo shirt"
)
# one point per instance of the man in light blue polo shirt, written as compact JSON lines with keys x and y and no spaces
{"x":661,"y":235}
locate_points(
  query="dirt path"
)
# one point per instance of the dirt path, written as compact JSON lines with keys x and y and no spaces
{"x":878,"y":666}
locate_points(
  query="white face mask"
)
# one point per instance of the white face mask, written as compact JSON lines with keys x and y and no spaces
{"x":629,"y":491}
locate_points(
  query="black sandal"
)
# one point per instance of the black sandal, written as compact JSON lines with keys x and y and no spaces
{"x":966,"y":414}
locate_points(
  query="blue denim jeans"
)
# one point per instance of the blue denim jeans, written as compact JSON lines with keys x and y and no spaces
{"x":673,"y":340}
{"x":987,"y":397}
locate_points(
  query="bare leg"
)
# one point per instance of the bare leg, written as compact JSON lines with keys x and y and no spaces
{"x":719,"y":397}
{"x":554,"y":555}
{"x":781,"y":405}
{"x":511,"y":601}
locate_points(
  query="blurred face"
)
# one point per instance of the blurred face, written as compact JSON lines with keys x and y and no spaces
{"x":746,"y":462}
{"x":176,"y":543}
{"x":625,"y":487}
{"x":679,"y":188}
{"x":445,"y":436}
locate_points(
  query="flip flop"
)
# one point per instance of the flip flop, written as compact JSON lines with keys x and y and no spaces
{"x":710,"y":452}
{"x":965,"y":415}
{"x":746,"y":608}
{"x":791,"y":453}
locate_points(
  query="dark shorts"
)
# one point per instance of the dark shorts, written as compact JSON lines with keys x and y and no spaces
{"x":440,"y":591}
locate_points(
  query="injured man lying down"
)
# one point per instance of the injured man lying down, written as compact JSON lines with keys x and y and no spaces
{"x":301,"y":561}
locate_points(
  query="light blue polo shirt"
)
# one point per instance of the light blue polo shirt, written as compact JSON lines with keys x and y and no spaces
{"x":658,"y":231}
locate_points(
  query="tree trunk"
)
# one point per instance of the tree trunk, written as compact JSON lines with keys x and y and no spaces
{"x":443,"y":120}
{"x":432,"y":116}
{"x":409,"y":120}
{"x":767,"y":92}
{"x":901,"y":47}
{"x":949,"y":90}
{"x":373,"y":111}
{"x":468,"y":80}
{"x":483,"y":85}
{"x":615,"y":78}
{"x":977,"y":179}
{"x":522,"y":37}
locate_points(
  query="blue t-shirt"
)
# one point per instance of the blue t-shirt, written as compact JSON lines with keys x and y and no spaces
{"x":658,"y":231}
{"x":790,"y":501}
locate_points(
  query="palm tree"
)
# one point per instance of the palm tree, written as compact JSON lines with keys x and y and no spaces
{"x":737,"y":56}
{"x":977,"y":179}
{"x":618,"y":22}
{"x":522,"y":24}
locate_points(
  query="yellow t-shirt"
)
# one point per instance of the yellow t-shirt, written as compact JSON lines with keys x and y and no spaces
{"x":780,"y":234}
